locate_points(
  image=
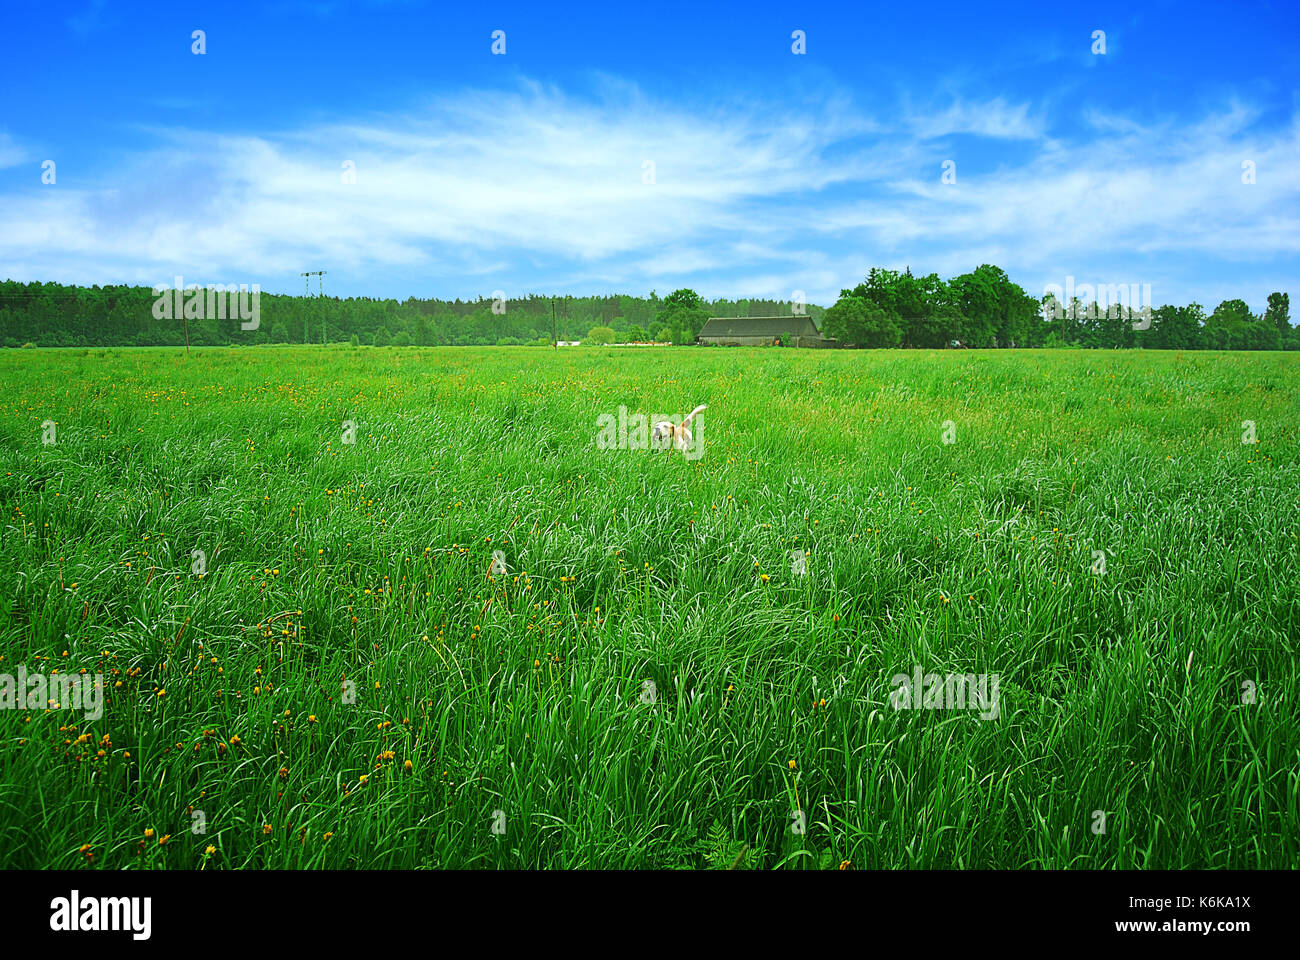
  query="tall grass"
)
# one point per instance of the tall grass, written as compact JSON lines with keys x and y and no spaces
{"x":651,"y":683}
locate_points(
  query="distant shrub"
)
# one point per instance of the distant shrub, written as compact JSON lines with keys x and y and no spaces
{"x":402,"y":339}
{"x":354,"y":342}
{"x":600,"y":335}
{"x":28,"y":345}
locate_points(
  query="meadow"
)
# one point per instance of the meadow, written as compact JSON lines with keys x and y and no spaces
{"x":281,"y":560}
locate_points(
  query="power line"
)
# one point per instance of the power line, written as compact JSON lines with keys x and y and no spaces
{"x":306,"y":284}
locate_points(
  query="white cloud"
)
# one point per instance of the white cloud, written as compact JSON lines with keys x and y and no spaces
{"x":473,"y":176}
{"x":1137,"y":191}
{"x":994,"y":119}
{"x":521,"y":188}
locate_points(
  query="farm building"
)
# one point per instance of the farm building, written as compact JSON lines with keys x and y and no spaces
{"x":799,"y":331}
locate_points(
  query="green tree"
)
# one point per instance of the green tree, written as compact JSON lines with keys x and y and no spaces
{"x":1179,"y":328}
{"x":685,"y":298}
{"x":888,"y":290}
{"x":977,"y":299}
{"x":685,"y":310}
{"x":857,"y":321}
{"x":600,"y":335}
{"x":917,"y":305}
{"x":1232,"y":327}
{"x":1278,"y":313}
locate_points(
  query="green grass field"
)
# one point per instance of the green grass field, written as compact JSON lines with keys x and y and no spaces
{"x":655,"y":680}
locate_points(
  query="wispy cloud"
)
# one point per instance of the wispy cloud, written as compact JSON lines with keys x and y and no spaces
{"x":473,"y":175}
{"x":993,"y":118}
{"x":520,"y":188}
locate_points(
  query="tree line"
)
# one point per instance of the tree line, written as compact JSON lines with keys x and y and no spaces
{"x":985,"y":309}
{"x":56,"y":315}
{"x":889,"y":308}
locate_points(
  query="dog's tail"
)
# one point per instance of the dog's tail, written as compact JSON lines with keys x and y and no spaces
{"x":691,"y":416}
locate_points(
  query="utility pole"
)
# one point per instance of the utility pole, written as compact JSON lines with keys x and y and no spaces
{"x":306,"y":292}
{"x":555,"y":340}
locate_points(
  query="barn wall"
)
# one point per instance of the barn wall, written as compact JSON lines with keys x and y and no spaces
{"x":810,"y":343}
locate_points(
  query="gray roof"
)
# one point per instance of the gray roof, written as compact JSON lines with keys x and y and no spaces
{"x":760,"y":327}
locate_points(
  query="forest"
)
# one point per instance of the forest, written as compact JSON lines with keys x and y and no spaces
{"x":986,"y":309}
{"x":55,"y":315}
{"x":983,"y":308}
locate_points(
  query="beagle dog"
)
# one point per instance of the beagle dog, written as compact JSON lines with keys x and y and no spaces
{"x":669,"y":436}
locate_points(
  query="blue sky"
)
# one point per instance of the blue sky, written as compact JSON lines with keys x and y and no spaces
{"x":773,"y":172}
